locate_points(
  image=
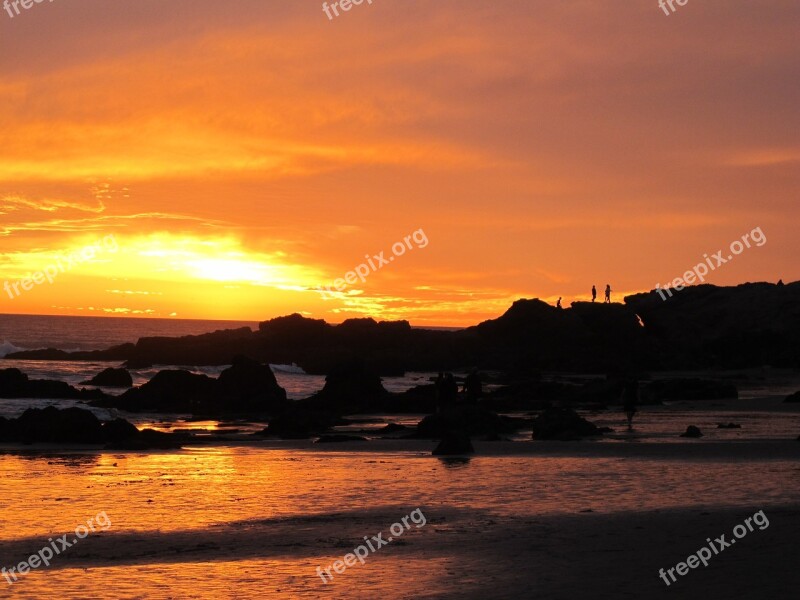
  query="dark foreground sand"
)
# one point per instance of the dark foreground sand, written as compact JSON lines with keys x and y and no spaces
{"x":479,"y":555}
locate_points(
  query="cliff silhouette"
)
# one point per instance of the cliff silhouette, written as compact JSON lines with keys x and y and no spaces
{"x":703,"y":326}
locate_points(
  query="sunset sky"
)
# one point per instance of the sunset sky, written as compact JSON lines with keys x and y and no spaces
{"x":242,"y":153}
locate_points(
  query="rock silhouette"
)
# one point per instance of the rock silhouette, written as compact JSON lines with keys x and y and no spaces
{"x":562,"y":424}
{"x":699,"y":327}
{"x":115,"y":378}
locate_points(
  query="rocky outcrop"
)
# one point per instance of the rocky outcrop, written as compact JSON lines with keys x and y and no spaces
{"x":113,"y":378}
{"x":16,"y":384}
{"x":77,"y":426}
{"x":247,"y":387}
{"x":699,"y":327}
{"x":350,"y":387}
{"x":562,"y":424}
{"x":471,"y":420}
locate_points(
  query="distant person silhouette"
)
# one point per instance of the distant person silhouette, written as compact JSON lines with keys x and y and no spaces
{"x":630,"y":398}
{"x":780,"y":282}
{"x":594,"y":293}
{"x":473,"y":387}
{"x":558,"y":304}
{"x":608,"y":294}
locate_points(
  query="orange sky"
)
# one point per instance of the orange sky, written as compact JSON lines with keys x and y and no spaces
{"x":241,"y":154}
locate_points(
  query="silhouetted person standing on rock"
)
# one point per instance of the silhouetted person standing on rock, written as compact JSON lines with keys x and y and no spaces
{"x":558,"y":304}
{"x":630,"y":398}
{"x":473,"y":387}
{"x":608,"y":294}
{"x":594,"y":293}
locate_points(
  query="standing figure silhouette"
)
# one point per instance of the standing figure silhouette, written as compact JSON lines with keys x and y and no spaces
{"x":608,"y":294}
{"x":594,"y":293}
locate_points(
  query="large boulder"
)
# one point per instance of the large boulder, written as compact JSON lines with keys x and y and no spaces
{"x":351,"y":387}
{"x":113,"y":378}
{"x":562,"y":424}
{"x":53,"y":426}
{"x":171,"y":391}
{"x":249,"y":386}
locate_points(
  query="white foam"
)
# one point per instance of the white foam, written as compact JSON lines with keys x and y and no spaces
{"x":7,"y":348}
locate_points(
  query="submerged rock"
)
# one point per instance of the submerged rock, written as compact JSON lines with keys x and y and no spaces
{"x":728,"y":426}
{"x":562,"y":424}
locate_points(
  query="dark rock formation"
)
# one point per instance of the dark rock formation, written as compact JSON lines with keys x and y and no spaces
{"x":701,"y":326}
{"x":115,"y":378}
{"x":793,"y":397}
{"x":77,"y":426}
{"x":690,"y":389}
{"x":247,"y":387}
{"x":692,"y":432}
{"x":351,"y":387}
{"x":472,"y":420}
{"x":15,"y":384}
{"x":454,"y":443}
{"x":562,"y":424}
{"x":728,"y":426}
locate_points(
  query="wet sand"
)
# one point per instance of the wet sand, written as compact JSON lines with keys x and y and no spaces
{"x":456,"y":554}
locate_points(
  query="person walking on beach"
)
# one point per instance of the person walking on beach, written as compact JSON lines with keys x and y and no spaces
{"x":594,"y":293}
{"x":608,"y":294}
{"x":630,"y":398}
